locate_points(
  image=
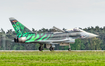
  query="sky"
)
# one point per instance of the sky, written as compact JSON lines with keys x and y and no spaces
{"x":40,"y":14}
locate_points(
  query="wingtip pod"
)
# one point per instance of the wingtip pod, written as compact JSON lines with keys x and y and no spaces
{"x":12,"y":19}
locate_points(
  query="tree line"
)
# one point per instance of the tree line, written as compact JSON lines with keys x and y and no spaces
{"x":97,"y":43}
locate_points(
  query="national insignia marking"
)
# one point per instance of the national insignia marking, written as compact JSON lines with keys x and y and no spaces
{"x":14,"y":21}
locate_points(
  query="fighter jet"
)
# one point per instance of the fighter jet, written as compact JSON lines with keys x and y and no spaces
{"x":49,"y":40}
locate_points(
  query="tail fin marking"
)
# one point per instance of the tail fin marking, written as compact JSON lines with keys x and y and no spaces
{"x":18,"y":27}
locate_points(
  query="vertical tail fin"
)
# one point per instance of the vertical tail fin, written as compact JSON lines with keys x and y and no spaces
{"x":18,"y":27}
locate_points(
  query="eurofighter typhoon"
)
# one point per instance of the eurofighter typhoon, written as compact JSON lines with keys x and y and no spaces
{"x":49,"y":40}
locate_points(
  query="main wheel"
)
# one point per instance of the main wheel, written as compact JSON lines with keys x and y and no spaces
{"x":51,"y":48}
{"x":40,"y":48}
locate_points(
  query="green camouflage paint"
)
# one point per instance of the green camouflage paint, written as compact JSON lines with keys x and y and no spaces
{"x":47,"y":37}
{"x":22,"y":31}
{"x":42,"y":37}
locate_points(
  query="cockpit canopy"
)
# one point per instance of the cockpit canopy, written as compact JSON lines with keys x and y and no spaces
{"x":75,"y":30}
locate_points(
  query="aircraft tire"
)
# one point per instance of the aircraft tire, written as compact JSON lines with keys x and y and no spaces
{"x":51,"y":48}
{"x":69,"y":49}
{"x":40,"y":48}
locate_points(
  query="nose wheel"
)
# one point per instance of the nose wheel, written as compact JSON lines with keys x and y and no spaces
{"x":69,"y":49}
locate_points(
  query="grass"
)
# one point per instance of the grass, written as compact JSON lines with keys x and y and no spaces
{"x":55,"y":58}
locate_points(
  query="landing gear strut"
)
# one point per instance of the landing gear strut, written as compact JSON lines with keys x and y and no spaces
{"x":69,"y":49}
{"x":41,"y":47}
{"x":51,"y":48}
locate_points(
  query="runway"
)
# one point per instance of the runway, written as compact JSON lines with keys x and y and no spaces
{"x":47,"y":50}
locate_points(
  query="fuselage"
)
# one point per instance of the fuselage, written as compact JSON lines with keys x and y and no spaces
{"x":52,"y":37}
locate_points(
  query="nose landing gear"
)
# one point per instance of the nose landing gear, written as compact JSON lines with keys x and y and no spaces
{"x":69,"y":49}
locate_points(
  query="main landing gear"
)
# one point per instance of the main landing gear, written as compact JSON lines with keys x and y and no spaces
{"x":69,"y":49}
{"x":41,"y":47}
{"x":51,"y":48}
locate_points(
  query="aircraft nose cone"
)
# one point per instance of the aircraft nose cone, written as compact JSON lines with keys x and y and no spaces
{"x":92,"y":35}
